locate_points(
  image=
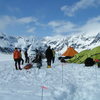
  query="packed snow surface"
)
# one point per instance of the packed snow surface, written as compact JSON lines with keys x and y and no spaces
{"x":61,"y":82}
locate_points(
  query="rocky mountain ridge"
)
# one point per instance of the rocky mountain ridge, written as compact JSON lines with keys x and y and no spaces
{"x":58,"y":42}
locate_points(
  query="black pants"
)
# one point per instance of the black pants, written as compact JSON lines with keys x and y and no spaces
{"x":39,"y":64}
{"x":17,"y":64}
{"x":22,"y":61}
{"x":26,"y":59}
{"x":53,"y":59}
{"x":49,"y":61}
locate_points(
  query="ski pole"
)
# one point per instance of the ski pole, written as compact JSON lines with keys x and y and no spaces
{"x":42,"y":94}
{"x":43,"y":87}
{"x":62,"y":73}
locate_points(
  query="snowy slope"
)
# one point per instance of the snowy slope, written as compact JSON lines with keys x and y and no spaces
{"x":78,"y":82}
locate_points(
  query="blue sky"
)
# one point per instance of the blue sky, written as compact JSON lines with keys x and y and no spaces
{"x":49,"y":17}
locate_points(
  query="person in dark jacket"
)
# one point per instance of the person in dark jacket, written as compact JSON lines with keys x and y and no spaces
{"x":53,"y":58}
{"x":49,"y":56}
{"x":38,"y":59}
{"x":26,"y":57}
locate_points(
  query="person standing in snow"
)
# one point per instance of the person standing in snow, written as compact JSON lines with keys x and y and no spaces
{"x":38,"y":58}
{"x":53,"y":58}
{"x":16,"y":57}
{"x":49,"y":56}
{"x":21,"y":59}
{"x":26,"y":57}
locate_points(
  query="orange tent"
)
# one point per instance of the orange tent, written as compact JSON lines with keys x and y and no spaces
{"x":70,"y":52}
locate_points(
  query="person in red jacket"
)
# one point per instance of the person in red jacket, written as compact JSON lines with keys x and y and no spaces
{"x":16,"y":57}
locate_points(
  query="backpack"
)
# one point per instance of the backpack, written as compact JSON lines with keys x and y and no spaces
{"x":89,"y":62}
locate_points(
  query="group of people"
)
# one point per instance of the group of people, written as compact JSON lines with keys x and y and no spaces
{"x":17,"y":56}
{"x":49,"y":54}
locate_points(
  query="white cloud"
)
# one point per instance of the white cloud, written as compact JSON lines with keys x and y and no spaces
{"x":91,"y":26}
{"x":6,"y":21}
{"x":61,"y":26}
{"x":31,"y":30}
{"x":82,"y":4}
{"x":27,"y":20}
{"x":55,"y":23}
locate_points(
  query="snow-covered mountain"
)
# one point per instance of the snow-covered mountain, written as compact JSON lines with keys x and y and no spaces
{"x":78,"y":41}
{"x":58,"y":42}
{"x":7,"y":43}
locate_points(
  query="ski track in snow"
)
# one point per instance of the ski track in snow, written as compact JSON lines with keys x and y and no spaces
{"x":79,"y":82}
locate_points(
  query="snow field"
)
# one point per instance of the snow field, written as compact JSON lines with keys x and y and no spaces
{"x":78,"y":82}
